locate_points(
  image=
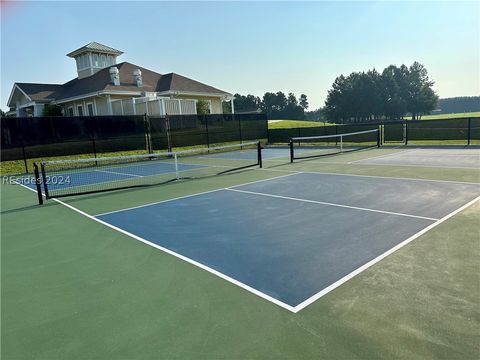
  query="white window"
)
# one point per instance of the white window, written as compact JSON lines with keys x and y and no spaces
{"x":103,"y":62}
{"x":95,"y":60}
{"x":90,"y":110}
{"x":80,"y":110}
{"x":70,"y":111}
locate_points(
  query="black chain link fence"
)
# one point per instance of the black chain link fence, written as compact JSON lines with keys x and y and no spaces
{"x":46,"y":137}
{"x":455,"y":131}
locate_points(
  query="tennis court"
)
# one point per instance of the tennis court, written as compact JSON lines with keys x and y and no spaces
{"x":227,"y":259}
{"x":468,"y":158}
{"x":289,"y":238}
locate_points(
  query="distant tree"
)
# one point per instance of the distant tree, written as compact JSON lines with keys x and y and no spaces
{"x":203,"y":107}
{"x":390,"y":93}
{"x":292,"y":110}
{"x":421,"y":98}
{"x":315,"y":115}
{"x":365,"y":96}
{"x":52,"y":110}
{"x":227,"y":107}
{"x":246,"y":103}
{"x":462,"y":104}
{"x":303,"y":101}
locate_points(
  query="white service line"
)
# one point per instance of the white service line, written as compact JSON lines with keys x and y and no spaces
{"x":117,"y":173}
{"x":333,"y":204}
{"x":364,"y":267}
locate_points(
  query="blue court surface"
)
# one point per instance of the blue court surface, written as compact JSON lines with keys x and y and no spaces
{"x":290,"y":238}
{"x":99,"y":175}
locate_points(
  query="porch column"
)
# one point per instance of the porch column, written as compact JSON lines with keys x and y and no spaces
{"x":109,"y":104}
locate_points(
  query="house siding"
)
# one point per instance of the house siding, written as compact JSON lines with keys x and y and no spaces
{"x":216,"y":102}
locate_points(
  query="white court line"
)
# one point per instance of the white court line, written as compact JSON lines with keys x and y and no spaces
{"x":187,"y":196}
{"x":381,"y":156}
{"x":184,"y":258}
{"x":333,"y":204}
{"x":303,"y":304}
{"x":117,"y":173}
{"x":423,"y":166}
{"x":379,"y":258}
{"x":368,"y":176}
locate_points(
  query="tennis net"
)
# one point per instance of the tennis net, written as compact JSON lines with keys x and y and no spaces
{"x":86,"y":176}
{"x":316,"y":146}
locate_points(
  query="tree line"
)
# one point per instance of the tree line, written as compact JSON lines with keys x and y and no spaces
{"x":462,"y":104}
{"x":358,"y":97}
{"x":275,"y":105}
{"x":367,"y":96}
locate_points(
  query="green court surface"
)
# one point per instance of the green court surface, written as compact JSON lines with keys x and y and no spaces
{"x":73,"y":288}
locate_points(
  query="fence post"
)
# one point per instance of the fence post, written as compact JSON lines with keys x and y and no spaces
{"x":469,"y":131}
{"x":205,"y":118}
{"x":94,"y":150}
{"x":24,"y":159}
{"x":148,"y":133}
{"x":405,"y":127}
{"x":167,"y":128}
{"x":239,"y":128}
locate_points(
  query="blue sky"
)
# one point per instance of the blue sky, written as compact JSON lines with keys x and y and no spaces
{"x":247,"y":47}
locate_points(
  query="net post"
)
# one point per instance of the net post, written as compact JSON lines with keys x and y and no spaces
{"x":259,"y":154}
{"x":469,"y":131}
{"x":379,"y":140}
{"x":37,"y":183}
{"x":341,"y":143}
{"x":291,"y":150}
{"x":45,"y":182}
{"x":177,"y":173}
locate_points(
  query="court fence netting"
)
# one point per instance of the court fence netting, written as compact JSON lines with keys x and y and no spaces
{"x":316,"y":146}
{"x":455,"y":131}
{"x":37,"y":138}
{"x":61,"y":178}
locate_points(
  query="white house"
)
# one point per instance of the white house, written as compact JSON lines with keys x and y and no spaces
{"x":104,"y":87}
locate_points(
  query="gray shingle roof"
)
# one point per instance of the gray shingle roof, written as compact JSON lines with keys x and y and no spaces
{"x":100,"y":81}
{"x":95,"y":47}
{"x":38,"y":92}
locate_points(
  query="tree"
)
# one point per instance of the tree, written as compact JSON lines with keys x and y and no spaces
{"x":292,"y":110}
{"x":2,"y":113}
{"x":246,"y":103}
{"x":203,"y":107}
{"x":227,"y":107}
{"x":365,"y":96}
{"x":274,"y":104}
{"x":421,"y":98}
{"x":390,"y":92}
{"x":52,"y":110}
{"x":303,"y":101}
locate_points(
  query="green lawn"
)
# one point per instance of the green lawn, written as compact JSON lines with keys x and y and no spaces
{"x":287,"y":124}
{"x":75,"y":289}
{"x":451,"y":116}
